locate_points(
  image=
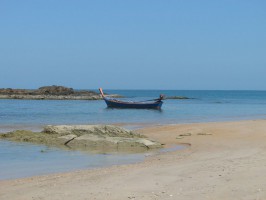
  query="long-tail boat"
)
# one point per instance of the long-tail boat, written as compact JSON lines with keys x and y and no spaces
{"x":149,"y":104}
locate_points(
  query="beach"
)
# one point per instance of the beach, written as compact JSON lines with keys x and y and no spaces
{"x":103,"y":100}
{"x":222,"y":160}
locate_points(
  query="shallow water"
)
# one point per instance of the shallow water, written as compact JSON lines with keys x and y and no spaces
{"x":20,"y":160}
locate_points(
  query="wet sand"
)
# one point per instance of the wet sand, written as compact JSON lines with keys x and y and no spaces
{"x":225,"y":160}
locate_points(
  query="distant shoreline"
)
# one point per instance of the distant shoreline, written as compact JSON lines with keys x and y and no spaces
{"x":51,"y":93}
{"x":54,"y":97}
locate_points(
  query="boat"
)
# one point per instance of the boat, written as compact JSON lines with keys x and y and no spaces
{"x":149,"y":104}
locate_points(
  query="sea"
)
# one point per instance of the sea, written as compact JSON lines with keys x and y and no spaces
{"x":20,"y":160}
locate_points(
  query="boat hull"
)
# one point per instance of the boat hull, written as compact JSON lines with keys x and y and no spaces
{"x":120,"y":104}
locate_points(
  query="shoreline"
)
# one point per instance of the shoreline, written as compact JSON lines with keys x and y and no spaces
{"x":133,"y":126}
{"x":224,"y":154}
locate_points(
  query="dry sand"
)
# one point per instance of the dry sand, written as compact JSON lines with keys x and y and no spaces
{"x":223,"y":161}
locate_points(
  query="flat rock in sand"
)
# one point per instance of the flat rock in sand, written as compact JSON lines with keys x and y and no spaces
{"x":104,"y":138}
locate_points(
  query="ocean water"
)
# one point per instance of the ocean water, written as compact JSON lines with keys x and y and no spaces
{"x":21,"y":160}
{"x":205,"y":106}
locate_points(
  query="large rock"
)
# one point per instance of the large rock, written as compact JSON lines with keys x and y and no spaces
{"x":55,"y":90}
{"x":93,"y":142}
{"x":100,"y":138}
{"x":101,"y":130}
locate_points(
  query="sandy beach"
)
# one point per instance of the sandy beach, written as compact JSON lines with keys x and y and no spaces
{"x":223,"y":160}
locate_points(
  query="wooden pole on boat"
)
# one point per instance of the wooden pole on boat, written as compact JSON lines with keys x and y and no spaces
{"x":101,"y":92}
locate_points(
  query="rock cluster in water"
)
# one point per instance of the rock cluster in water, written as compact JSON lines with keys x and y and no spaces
{"x":100,"y":138}
{"x":50,"y":92}
{"x":176,"y":97}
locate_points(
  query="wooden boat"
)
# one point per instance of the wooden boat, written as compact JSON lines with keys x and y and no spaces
{"x":149,"y":104}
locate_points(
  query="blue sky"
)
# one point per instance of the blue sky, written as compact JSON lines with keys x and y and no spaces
{"x":138,"y":44}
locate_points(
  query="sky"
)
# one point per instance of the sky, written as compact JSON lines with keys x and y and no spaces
{"x":140,"y":44}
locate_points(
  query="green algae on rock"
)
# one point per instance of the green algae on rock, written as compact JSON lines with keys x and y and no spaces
{"x":101,"y":138}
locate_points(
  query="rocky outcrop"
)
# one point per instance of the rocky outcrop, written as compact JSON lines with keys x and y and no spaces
{"x":51,"y":93}
{"x":100,"y":130}
{"x":55,"y":90}
{"x":100,"y":138}
{"x":176,"y":97}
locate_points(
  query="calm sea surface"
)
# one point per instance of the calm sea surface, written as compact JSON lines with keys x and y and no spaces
{"x":205,"y":106}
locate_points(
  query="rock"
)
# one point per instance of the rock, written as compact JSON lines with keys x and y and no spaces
{"x":185,"y":134}
{"x":176,"y":97}
{"x":29,"y":136}
{"x":67,"y":138}
{"x":91,"y":141}
{"x":103,"y":138}
{"x":101,"y":130}
{"x":10,"y":91}
{"x":51,"y":93}
{"x":54,"y":90}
